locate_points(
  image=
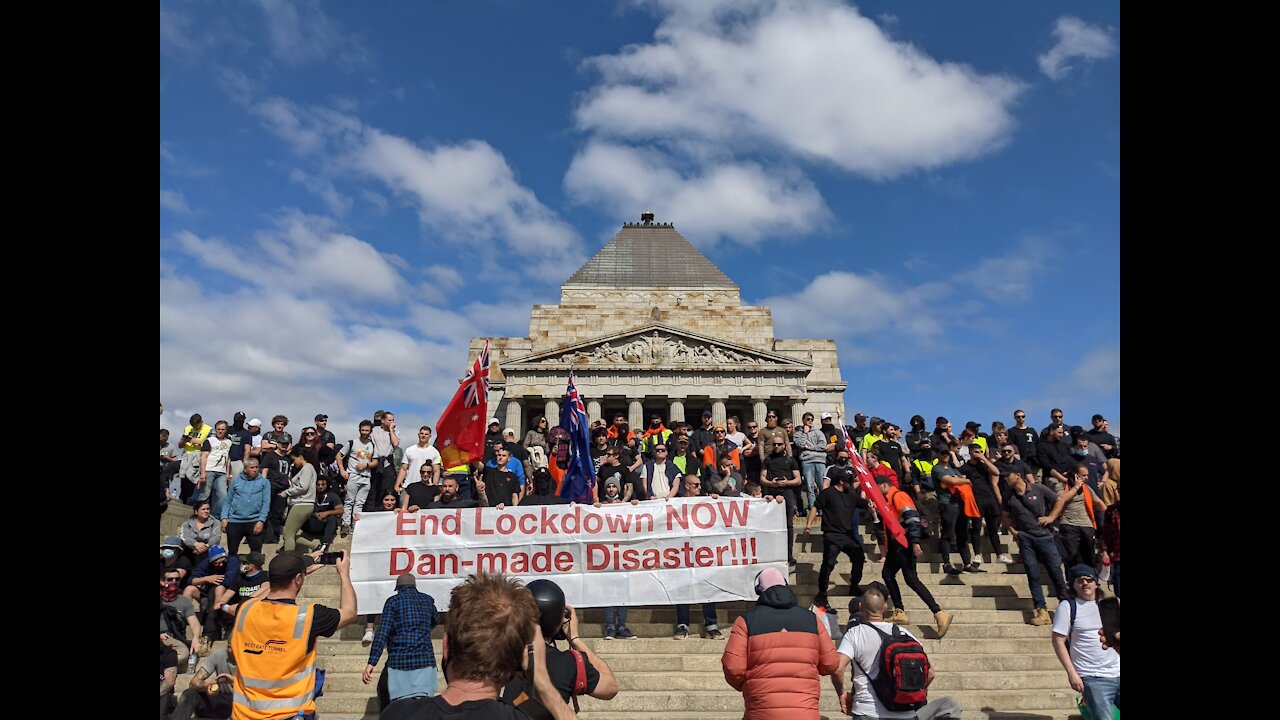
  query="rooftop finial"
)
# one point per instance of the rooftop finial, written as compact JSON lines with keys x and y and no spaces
{"x":646,"y":217}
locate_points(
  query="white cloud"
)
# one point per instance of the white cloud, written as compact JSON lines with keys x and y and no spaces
{"x":301,"y":33}
{"x":323,"y":187}
{"x":1011,"y":277}
{"x":469,"y":194}
{"x":1099,"y":371}
{"x":875,"y":317}
{"x":815,"y":80}
{"x":278,"y":353}
{"x":742,"y":201}
{"x":173,"y":201}
{"x":1076,"y":39}
{"x":845,"y":304}
{"x":466,"y":193}
{"x":314,"y":258}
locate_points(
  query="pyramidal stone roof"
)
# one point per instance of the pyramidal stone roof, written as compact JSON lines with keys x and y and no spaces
{"x":650,"y":254}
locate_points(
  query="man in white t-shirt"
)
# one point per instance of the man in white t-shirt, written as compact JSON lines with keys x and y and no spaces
{"x":415,"y":457}
{"x":861,"y":646}
{"x":362,"y":462}
{"x":1092,"y":670}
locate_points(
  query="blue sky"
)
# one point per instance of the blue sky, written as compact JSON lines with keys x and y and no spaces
{"x":349,"y":192}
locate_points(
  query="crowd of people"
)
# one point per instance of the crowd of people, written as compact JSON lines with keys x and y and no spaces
{"x":1054,"y":493}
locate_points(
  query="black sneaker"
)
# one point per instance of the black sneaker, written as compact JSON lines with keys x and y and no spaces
{"x":973,"y":568}
{"x":682,"y":632}
{"x":713,"y":633}
{"x":624,"y":633}
{"x":951,"y":569}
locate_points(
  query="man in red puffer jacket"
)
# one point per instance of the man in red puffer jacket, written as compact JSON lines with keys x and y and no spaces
{"x":786,"y":651}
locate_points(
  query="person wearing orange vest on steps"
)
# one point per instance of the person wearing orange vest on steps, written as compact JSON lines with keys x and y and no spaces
{"x":900,"y":557}
{"x":274,"y":641}
{"x":1079,"y":508}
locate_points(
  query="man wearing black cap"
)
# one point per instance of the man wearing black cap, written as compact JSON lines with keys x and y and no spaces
{"x":1092,"y":670}
{"x":1102,"y":437}
{"x":238,"y":434}
{"x":704,"y":435}
{"x":268,"y":685}
{"x":322,"y":431}
{"x":859,"y":429}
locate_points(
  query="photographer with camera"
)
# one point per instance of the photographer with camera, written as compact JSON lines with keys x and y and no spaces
{"x":281,"y":683}
{"x":491,"y":634}
{"x":578,"y":670}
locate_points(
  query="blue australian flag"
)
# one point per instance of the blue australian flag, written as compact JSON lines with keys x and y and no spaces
{"x":579,"y":477}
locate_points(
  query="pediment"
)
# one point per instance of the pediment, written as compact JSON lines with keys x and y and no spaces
{"x":657,"y":346}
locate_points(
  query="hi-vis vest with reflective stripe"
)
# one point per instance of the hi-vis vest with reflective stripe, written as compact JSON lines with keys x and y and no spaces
{"x":275,"y":675}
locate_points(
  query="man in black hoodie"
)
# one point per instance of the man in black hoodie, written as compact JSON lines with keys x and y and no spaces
{"x":839,"y":504}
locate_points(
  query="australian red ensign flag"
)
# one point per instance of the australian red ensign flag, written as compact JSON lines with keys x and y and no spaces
{"x":872,"y":491}
{"x":460,"y":432}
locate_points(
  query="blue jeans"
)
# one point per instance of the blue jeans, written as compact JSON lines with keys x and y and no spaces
{"x":215,"y":490}
{"x":708,"y":614}
{"x":410,"y":683}
{"x":615,"y":617}
{"x":1100,"y":693}
{"x":1042,"y":550}
{"x":812,"y":472}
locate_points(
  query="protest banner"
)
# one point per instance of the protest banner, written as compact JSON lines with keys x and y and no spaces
{"x":658,"y":552}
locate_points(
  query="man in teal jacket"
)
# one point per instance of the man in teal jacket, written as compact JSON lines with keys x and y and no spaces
{"x":245,"y":511}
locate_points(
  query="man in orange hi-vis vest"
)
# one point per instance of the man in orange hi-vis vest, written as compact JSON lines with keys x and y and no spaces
{"x":900,"y":557}
{"x":274,"y":641}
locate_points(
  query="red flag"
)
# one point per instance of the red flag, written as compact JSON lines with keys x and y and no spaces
{"x":460,"y":431}
{"x":869,"y":488}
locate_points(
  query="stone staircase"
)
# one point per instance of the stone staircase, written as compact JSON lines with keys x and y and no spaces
{"x":994,"y":663}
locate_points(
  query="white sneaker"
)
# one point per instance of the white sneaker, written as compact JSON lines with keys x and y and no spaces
{"x":367,"y":640}
{"x":1005,"y":558}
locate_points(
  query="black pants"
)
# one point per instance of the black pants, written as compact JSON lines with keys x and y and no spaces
{"x":832,"y":546}
{"x":274,"y":529}
{"x":236,"y":532}
{"x":1076,"y":544}
{"x":166,"y":705}
{"x":900,"y":558}
{"x":953,"y":533}
{"x":968,"y":533}
{"x":381,"y":481}
{"x":201,"y":704}
{"x":323,"y":529}
{"x":990,"y":510}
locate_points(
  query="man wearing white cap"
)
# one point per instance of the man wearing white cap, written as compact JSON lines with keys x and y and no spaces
{"x":786,"y":651}
{"x":252,"y":439}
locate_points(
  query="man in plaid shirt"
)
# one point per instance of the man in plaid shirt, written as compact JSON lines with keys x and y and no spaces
{"x":405,"y":630}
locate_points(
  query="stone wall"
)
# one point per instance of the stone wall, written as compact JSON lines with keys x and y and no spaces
{"x":587,"y":313}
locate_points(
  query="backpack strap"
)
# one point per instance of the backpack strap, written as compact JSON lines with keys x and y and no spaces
{"x":883,"y":636}
{"x":1072,"y":627}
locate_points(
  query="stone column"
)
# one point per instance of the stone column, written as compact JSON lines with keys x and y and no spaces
{"x":635,"y":414}
{"x":797,"y":413}
{"x":593,"y":410}
{"x":718,"y":414}
{"x":676,"y":414}
{"x":552,"y":411}
{"x":760,"y":408}
{"x":515,"y":420}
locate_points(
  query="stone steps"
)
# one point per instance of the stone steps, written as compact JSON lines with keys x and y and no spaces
{"x":990,"y":658}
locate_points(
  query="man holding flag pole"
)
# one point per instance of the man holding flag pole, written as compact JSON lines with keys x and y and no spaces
{"x":579,"y":483}
{"x":461,"y":428}
{"x":902,"y":547}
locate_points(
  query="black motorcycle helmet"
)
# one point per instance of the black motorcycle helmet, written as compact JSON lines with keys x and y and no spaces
{"x":551,"y":612}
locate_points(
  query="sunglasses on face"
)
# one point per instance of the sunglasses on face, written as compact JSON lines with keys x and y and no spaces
{"x":1086,"y":579}
{"x":1018,"y":417}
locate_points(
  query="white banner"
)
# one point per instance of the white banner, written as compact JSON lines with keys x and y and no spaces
{"x":659,"y":552}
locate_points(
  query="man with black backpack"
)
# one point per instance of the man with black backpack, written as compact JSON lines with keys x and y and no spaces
{"x":872,"y":644}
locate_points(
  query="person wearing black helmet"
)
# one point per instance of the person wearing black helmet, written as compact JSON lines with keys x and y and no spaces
{"x":559,"y":622}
